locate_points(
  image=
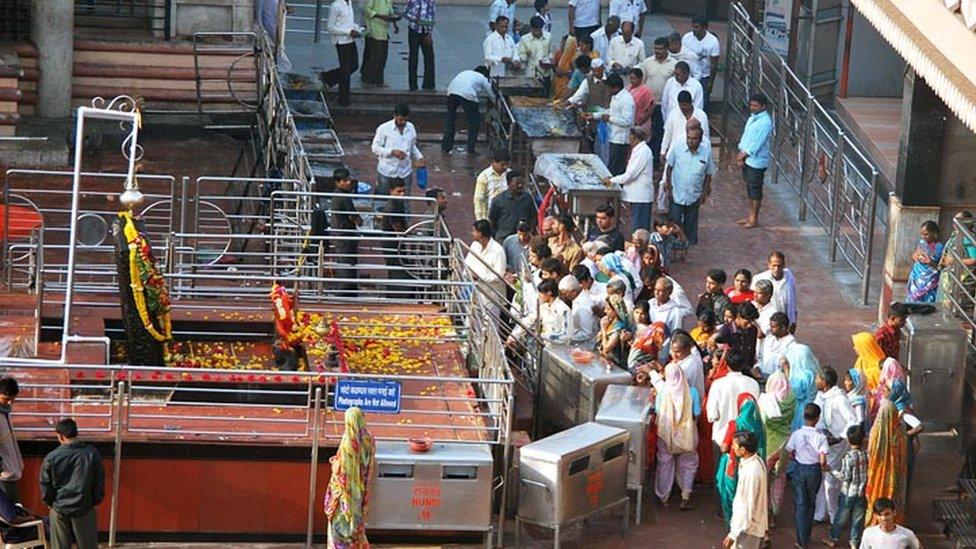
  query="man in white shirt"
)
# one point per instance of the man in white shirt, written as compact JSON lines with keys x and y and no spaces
{"x":664,"y":309}
{"x":499,"y":49}
{"x":620,"y":118}
{"x":630,"y":10}
{"x":750,"y":519}
{"x":681,"y":81}
{"x":601,"y":37}
{"x":395,"y":147}
{"x":723,"y":397}
{"x":707,"y":49}
{"x":769,"y":352}
{"x":625,"y":50}
{"x":534,"y":52}
{"x":464,"y":91}
{"x":341,"y":25}
{"x":585,"y":326}
{"x":680,"y":53}
{"x":784,"y":285}
{"x":555,"y":317}
{"x":506,"y":8}
{"x":887,"y":534}
{"x":676,"y":124}
{"x":584,"y":17}
{"x":491,"y":182}
{"x":762,"y":299}
{"x":582,"y":94}
{"x":837,"y":415}
{"x":688,"y":180}
{"x":637,"y":181}
{"x":597,"y":291}
{"x":486,"y":262}
{"x":657,"y":69}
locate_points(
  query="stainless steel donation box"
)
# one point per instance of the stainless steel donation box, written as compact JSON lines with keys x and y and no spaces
{"x":571,"y":391}
{"x":629,"y":408}
{"x":447,"y":488}
{"x":572,"y":475}
{"x":936,"y":359}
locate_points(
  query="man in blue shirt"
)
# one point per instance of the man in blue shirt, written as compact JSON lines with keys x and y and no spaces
{"x":688,"y":180}
{"x":755,"y":154}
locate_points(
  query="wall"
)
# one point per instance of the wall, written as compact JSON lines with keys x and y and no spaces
{"x":876,"y":69}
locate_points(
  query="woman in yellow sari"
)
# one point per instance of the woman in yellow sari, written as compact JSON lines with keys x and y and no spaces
{"x":869,"y":358}
{"x":887,"y":461}
{"x":347,"y":496}
{"x":564,"y":67}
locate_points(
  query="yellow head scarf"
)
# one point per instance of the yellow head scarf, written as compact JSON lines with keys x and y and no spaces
{"x":347,"y":498}
{"x":869,"y":357}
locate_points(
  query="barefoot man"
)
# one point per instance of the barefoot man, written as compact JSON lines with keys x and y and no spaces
{"x":754,"y":155}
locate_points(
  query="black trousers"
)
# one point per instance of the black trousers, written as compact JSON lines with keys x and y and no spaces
{"x":374,"y":61}
{"x":348,"y":64}
{"x":657,"y":135}
{"x":415,"y":41}
{"x":580,"y":32}
{"x":471,"y":113}
{"x":618,"y":158}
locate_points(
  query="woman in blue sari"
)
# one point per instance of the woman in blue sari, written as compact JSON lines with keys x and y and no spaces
{"x":923,"y":282}
{"x":801,"y":367}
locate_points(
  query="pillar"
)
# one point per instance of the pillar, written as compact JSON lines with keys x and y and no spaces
{"x":818,"y":35}
{"x":52,"y":31}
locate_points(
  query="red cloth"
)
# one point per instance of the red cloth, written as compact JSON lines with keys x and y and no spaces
{"x":889,"y":340}
{"x":706,"y":459}
{"x":22,"y":220}
{"x":740,"y":297}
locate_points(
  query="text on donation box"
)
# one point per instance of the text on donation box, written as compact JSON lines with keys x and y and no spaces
{"x":370,"y":395}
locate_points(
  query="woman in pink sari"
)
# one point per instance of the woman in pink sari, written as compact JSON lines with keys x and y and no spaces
{"x":643,"y":99}
{"x":891,"y":370}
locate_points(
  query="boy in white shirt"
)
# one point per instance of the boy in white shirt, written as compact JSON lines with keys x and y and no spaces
{"x":808,"y":448}
{"x":887,"y":534}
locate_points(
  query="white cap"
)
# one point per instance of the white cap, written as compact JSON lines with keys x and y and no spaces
{"x":596,"y":63}
{"x":568,"y":283}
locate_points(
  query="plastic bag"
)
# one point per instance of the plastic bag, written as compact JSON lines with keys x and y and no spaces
{"x":422,"y":177}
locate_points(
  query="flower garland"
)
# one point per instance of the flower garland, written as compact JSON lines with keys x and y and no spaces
{"x":148,"y":287}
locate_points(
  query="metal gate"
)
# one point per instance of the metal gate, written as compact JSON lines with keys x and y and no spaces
{"x":836,"y":182}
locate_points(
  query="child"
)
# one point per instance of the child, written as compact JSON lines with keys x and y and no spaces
{"x":888,"y":335}
{"x":704,"y":329}
{"x":807,"y":447}
{"x":542,"y":12}
{"x":853,"y":473}
{"x":668,"y":236}
{"x":642,"y":315}
{"x":857,"y":393}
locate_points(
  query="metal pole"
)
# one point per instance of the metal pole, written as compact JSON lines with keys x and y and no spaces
{"x":869,"y":251}
{"x":310,"y":525}
{"x":780,"y":120}
{"x":505,"y":468}
{"x":318,"y":20}
{"x":807,"y":153}
{"x":835,"y":202}
{"x":116,"y":464}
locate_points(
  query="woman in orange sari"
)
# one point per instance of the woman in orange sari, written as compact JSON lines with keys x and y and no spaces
{"x":887,"y":461}
{"x":564,"y":66}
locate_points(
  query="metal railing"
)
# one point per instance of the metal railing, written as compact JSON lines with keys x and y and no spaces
{"x":150,"y":15}
{"x":957,"y":282}
{"x":836,"y":182}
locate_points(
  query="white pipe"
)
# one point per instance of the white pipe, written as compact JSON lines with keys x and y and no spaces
{"x":104,"y":114}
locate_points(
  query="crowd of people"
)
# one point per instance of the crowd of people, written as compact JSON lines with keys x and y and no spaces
{"x":738,"y":384}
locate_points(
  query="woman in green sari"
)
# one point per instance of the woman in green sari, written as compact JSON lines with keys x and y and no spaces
{"x":727,"y":475}
{"x":777,"y":406}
